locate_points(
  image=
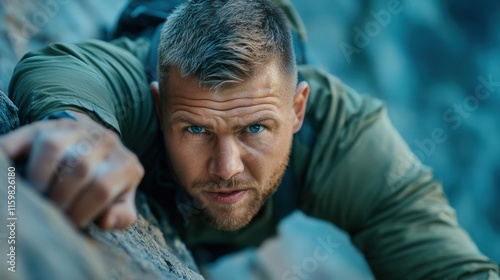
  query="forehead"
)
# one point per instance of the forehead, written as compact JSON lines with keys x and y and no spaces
{"x":269,"y":81}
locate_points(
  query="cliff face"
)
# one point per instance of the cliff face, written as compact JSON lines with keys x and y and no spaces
{"x":42,"y":244}
{"x":8,"y":114}
{"x":149,"y":249}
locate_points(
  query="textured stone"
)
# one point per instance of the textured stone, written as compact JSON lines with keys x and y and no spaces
{"x":149,"y":249}
{"x":8,"y":114}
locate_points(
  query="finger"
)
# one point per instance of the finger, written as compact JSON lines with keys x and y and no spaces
{"x":96,"y":197}
{"x":121,"y":214}
{"x":77,"y":173}
{"x":47,"y":152}
{"x":118,"y":175}
{"x":17,"y":143}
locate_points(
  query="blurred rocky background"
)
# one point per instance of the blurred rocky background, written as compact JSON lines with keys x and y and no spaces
{"x":435,"y":63}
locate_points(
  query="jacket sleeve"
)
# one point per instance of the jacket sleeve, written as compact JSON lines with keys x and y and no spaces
{"x":362,"y":176}
{"x":104,"y":80}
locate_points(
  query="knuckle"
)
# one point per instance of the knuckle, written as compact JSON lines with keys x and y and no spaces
{"x":110,"y":139}
{"x":133,"y":164}
{"x":81,"y":169}
{"x":49,"y":143}
{"x":72,"y":162}
{"x":102,"y":190}
{"x":138,"y":170}
{"x":137,"y":165}
{"x":141,"y":171}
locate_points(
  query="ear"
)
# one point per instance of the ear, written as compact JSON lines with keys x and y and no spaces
{"x":299,"y":105}
{"x":155,"y":91}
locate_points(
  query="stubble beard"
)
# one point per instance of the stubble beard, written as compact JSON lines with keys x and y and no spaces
{"x":223,"y":217}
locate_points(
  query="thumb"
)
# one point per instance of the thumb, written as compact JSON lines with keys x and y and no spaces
{"x":121,"y":214}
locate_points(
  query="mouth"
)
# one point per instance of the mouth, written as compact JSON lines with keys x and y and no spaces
{"x":227,"y":196}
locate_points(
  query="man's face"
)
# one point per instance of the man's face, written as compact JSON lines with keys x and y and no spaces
{"x":230,"y":149}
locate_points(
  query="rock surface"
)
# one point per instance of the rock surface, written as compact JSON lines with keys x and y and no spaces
{"x":8,"y":114}
{"x":149,"y":249}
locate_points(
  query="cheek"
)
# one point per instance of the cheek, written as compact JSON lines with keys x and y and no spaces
{"x":187,"y":159}
{"x":266,"y":158}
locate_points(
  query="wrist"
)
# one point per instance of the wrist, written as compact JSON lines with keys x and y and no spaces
{"x":64,"y":114}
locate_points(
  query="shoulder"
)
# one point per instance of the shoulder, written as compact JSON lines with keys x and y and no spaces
{"x":336,"y":114}
{"x":342,"y":172}
{"x":330,"y":99}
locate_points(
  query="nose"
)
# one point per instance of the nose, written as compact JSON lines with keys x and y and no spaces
{"x":226,"y":162}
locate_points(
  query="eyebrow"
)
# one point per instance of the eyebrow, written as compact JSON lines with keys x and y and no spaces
{"x":188,"y":120}
{"x":257,"y":121}
{"x":191,"y":121}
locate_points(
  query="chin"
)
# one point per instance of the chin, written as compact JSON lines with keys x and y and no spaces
{"x":228,"y":221}
{"x":229,"y":224}
{"x":232,"y":217}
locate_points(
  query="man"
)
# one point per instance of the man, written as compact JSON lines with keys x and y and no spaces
{"x":231,"y":122}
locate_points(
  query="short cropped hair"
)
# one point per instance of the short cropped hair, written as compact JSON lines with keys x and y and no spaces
{"x":225,"y":42}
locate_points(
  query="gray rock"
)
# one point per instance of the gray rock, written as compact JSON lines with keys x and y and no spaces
{"x":8,"y":114}
{"x":149,"y":249}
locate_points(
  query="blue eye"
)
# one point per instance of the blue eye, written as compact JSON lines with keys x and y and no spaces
{"x":255,"y":128}
{"x":196,"y":129}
